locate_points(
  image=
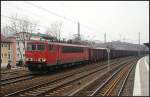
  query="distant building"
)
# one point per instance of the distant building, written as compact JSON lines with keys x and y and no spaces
{"x":147,"y":44}
{"x":40,"y":36}
{"x":8,"y":51}
{"x":21,"y":42}
{"x":122,"y":46}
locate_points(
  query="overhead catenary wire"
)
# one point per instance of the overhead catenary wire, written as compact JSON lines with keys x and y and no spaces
{"x":20,"y":19}
{"x":61,"y":16}
{"x":58,"y":15}
{"x":89,"y":27}
{"x":26,"y":11}
{"x":51,"y":12}
{"x":26,"y":21}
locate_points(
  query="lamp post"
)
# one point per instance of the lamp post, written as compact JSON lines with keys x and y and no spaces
{"x":139,"y":46}
{"x":108,"y":52}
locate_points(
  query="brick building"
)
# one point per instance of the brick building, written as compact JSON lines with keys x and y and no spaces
{"x":8,"y":51}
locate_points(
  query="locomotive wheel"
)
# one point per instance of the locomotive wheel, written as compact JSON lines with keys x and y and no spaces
{"x":39,"y":66}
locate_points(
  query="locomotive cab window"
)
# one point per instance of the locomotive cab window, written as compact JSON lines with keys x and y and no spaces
{"x":29,"y":47}
{"x":40,"y":47}
{"x":32,"y":47}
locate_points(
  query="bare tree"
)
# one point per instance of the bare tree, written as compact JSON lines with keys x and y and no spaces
{"x":6,"y":30}
{"x":55,"y":29}
{"x":23,"y":26}
{"x":76,"y":39}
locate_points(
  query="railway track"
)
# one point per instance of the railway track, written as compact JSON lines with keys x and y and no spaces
{"x":13,"y":71}
{"x":63,"y":90}
{"x":8,"y":87}
{"x":83,"y":83}
{"x":124,"y":81}
{"x":128,"y":84}
{"x":59,"y":84}
{"x":16,"y":79}
{"x":48,"y":79}
{"x":108,"y":86}
{"x":15,"y":74}
{"x":21,"y":86}
{"x":42,"y":88}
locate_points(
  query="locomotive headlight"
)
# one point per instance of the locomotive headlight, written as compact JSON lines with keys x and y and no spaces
{"x":44,"y":59}
{"x":30,"y":59}
{"x":41,"y":59}
{"x":26,"y":59}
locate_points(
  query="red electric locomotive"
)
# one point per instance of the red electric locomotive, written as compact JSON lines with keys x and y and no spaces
{"x":40,"y":55}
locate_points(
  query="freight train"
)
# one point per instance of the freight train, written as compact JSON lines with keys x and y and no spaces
{"x":45,"y":55}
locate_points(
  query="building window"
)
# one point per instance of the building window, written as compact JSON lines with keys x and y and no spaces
{"x":8,"y":56}
{"x":5,"y":45}
{"x":33,"y":47}
{"x":5,"y":54}
{"x":18,"y":42}
{"x":18,"y":55}
{"x":40,"y":47}
{"x":8,"y":47}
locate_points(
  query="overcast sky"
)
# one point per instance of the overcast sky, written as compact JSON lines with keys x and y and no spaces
{"x":119,"y":19}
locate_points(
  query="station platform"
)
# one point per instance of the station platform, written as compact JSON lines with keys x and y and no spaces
{"x":141,"y":80}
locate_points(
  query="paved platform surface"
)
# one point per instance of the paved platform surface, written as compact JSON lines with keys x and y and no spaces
{"x":141,"y":81}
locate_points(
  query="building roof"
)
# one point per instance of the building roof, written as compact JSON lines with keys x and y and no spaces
{"x":44,"y":36}
{"x":2,"y":37}
{"x":56,"y":43}
{"x":5,"y":40}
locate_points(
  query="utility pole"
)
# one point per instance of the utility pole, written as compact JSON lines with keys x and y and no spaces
{"x":78,"y":31}
{"x":120,"y":37}
{"x":124,"y":39}
{"x":59,"y":35}
{"x":139,"y":45}
{"x":59,"y":31}
{"x":105,"y":37}
{"x":108,"y":54}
